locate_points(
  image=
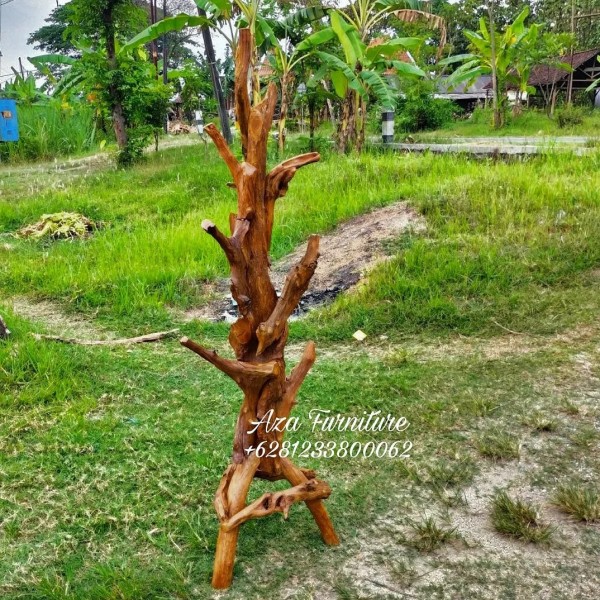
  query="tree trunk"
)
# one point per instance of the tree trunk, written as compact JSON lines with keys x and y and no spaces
{"x":312,"y":117}
{"x":347,"y":124}
{"x":259,"y":336}
{"x":209,"y":51}
{"x":553,"y":101}
{"x":283,"y":112}
{"x":362,"y":117}
{"x":495,"y":90}
{"x":116,"y":108}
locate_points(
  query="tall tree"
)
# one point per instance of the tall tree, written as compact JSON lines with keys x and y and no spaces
{"x":209,"y":51}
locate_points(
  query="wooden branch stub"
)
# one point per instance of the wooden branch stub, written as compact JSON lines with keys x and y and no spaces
{"x":295,"y":285}
{"x":295,"y":379}
{"x":221,"y":239}
{"x":226,"y":154}
{"x":280,"y":176}
{"x":273,"y":502}
{"x":245,"y":374}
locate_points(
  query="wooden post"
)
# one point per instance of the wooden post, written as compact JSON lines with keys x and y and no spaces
{"x":259,"y":336}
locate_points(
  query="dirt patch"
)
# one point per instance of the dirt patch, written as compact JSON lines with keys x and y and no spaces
{"x":51,"y":316}
{"x":347,"y":253}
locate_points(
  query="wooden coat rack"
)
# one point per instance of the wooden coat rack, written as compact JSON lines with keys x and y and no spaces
{"x":259,"y":336}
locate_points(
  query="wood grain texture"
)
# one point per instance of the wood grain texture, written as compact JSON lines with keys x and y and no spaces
{"x":259,"y":335}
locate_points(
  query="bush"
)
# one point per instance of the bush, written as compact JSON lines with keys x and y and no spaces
{"x":418,"y":110}
{"x":137,"y":141}
{"x":569,"y":116}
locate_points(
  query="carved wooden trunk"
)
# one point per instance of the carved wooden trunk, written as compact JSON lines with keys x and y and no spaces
{"x":259,"y":336}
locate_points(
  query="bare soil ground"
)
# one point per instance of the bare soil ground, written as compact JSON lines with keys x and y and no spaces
{"x":347,"y":254}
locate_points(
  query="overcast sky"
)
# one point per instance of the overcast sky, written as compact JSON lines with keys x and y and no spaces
{"x":22,"y":17}
{"x":19,"y":19}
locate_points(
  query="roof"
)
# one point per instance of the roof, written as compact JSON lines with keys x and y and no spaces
{"x":546,"y":75}
{"x":478,"y":89}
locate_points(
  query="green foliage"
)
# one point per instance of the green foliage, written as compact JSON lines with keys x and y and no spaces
{"x":418,"y":110}
{"x":117,"y":77}
{"x":508,"y":56}
{"x":52,"y":37}
{"x":197,"y":89}
{"x":570,"y":116}
{"x":24,"y":90}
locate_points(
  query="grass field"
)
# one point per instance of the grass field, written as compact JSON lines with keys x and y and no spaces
{"x":483,"y":332}
{"x":532,"y":123}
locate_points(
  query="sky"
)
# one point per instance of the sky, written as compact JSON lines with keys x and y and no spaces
{"x":19,"y":19}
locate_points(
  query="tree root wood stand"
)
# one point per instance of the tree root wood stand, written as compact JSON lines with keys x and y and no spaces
{"x":259,"y":336}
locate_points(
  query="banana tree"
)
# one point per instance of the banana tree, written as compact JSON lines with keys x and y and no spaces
{"x":420,"y":11}
{"x":537,"y":49}
{"x":284,"y":58}
{"x":368,"y":15}
{"x":494,"y":53}
{"x":24,"y":90}
{"x":361,"y":73}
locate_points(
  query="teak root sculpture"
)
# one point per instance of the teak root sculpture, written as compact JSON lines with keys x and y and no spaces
{"x":259,"y":335}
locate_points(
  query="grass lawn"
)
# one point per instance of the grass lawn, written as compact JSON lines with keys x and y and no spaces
{"x":482,"y":330}
{"x":531,"y":123}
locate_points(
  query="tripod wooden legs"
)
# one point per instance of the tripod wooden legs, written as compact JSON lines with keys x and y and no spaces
{"x":230,"y":503}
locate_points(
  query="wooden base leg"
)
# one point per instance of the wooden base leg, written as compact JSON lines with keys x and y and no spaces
{"x":295,"y":476}
{"x":229,"y":500}
{"x":225,"y":558}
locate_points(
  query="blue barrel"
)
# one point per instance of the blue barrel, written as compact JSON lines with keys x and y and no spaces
{"x":9,"y":125}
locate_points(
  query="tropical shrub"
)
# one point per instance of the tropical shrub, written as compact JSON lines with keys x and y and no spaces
{"x":418,"y":110}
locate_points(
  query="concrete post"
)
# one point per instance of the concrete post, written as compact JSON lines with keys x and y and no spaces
{"x":387,"y":126}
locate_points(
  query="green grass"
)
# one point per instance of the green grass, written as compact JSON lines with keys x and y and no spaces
{"x":49,"y":131}
{"x":109,"y":457}
{"x":505,"y":242}
{"x":529,"y":123}
{"x":581,"y":502}
{"x":518,"y":519}
{"x":499,"y":445}
{"x":429,"y":536}
{"x":507,"y":245}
